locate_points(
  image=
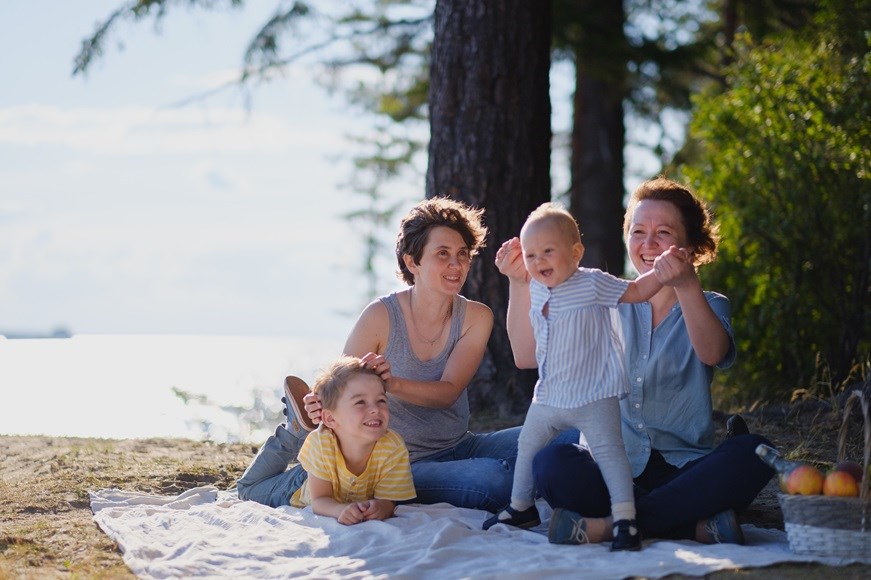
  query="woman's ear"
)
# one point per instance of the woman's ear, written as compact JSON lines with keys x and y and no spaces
{"x":409,"y":262}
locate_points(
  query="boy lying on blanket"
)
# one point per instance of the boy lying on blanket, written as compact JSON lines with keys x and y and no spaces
{"x":357,"y":468}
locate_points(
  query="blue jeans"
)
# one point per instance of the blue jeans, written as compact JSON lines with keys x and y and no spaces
{"x":267,"y":480}
{"x":475,"y":473}
{"x":669,"y":500}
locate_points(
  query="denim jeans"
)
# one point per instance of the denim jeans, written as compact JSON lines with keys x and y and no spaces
{"x":267,"y":480}
{"x":476,"y":473}
{"x":669,"y":500}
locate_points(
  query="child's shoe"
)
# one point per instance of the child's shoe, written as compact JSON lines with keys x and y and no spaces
{"x":567,"y":527}
{"x":626,"y":536}
{"x":294,"y":407}
{"x":528,"y":518}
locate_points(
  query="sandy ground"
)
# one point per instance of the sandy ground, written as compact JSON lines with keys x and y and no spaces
{"x":46,"y":530}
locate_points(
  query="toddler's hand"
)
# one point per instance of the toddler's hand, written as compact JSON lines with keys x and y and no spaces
{"x":674,"y":267}
{"x":509,"y":260}
{"x":682,"y":254}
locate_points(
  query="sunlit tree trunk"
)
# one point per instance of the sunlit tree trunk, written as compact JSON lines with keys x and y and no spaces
{"x":490,"y":147}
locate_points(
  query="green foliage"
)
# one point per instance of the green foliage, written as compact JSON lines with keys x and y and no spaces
{"x":786,"y":162}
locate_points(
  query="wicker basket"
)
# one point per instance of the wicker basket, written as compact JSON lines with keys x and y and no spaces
{"x":833,"y":526}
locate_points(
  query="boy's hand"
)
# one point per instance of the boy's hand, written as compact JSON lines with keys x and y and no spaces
{"x":378,"y":509}
{"x":509,"y":260}
{"x":352,"y":514}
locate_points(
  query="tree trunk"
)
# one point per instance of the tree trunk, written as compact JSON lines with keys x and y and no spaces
{"x":598,"y":135}
{"x":490,"y":147}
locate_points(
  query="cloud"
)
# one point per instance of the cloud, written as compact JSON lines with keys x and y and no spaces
{"x":144,"y":130}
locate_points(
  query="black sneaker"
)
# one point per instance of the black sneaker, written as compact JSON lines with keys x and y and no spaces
{"x":626,"y":536}
{"x":528,"y":518}
{"x":736,"y":425}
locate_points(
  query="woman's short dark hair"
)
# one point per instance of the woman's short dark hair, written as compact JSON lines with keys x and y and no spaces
{"x":431,"y":213}
{"x":701,"y":230}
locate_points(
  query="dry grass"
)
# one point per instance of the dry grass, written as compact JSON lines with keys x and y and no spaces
{"x":47,"y":530}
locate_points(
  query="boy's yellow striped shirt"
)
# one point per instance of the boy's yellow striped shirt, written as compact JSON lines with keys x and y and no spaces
{"x":387,"y":474}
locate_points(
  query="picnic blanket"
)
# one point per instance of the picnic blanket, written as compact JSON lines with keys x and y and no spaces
{"x":209,"y":533}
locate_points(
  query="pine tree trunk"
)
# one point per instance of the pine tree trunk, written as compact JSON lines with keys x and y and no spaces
{"x":598,"y":137}
{"x":490,"y":147}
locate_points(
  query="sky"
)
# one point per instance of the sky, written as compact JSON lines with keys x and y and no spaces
{"x":123,"y":213}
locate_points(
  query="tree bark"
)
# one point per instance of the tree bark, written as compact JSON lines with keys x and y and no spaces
{"x":598,"y":135}
{"x":490,"y":147}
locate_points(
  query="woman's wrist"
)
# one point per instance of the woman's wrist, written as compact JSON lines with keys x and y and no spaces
{"x":691,"y":284}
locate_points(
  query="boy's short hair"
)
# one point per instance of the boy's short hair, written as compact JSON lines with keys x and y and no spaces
{"x":564,"y":220}
{"x":430,"y":213}
{"x":331,"y":382}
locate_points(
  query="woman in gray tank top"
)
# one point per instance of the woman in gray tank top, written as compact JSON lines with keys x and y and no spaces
{"x":426,"y":342}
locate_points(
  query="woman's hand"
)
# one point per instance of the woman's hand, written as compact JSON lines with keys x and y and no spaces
{"x":379,"y":364}
{"x":674,"y":267}
{"x":509,"y":261}
{"x":312,"y":403}
{"x":709,"y":339}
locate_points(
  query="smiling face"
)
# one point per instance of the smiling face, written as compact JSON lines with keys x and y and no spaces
{"x":361,"y":410}
{"x":654,"y":227}
{"x":550,"y":255}
{"x":444,"y":262}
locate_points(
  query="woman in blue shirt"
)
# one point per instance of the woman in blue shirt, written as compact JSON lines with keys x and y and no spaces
{"x":684,"y":486}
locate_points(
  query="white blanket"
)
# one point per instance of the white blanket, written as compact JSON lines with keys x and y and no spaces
{"x":209,"y":533}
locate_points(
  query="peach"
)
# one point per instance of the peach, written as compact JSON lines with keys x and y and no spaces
{"x":805,"y":480}
{"x":850,"y":467}
{"x":840,"y":483}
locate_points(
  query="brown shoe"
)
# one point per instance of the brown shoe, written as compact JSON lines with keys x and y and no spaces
{"x":294,"y":407}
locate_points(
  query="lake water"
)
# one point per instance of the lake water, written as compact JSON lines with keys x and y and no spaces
{"x":122,"y":386}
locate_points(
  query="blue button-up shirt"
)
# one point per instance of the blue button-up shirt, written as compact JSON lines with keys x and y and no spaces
{"x":669,"y":404}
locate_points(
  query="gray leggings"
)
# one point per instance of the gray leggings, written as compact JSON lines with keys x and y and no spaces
{"x":599,"y":421}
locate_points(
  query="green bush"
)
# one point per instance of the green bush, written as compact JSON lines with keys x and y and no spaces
{"x":784,"y":161}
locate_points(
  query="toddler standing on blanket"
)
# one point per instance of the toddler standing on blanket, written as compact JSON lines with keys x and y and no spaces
{"x":356,"y":467}
{"x":573,"y":339}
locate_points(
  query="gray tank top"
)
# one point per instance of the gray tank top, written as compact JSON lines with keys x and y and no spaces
{"x":426,"y":430}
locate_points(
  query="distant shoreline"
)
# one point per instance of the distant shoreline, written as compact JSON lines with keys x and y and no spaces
{"x":59,"y":332}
